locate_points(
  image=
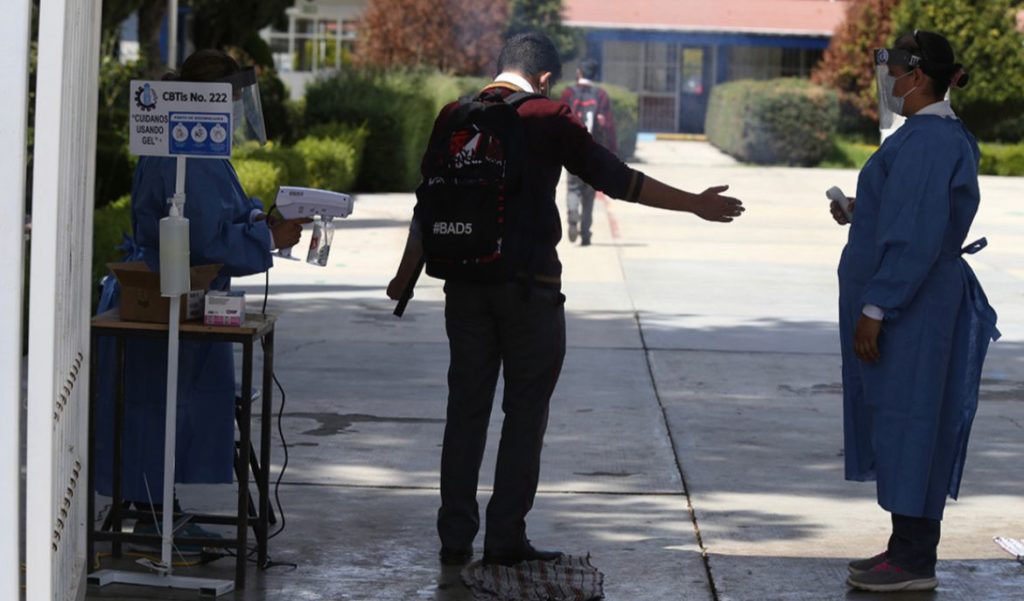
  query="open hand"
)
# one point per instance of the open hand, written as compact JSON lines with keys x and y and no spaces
{"x":865,"y":339}
{"x":837,"y":211}
{"x":712,"y":206}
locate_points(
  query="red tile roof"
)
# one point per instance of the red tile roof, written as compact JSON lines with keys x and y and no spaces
{"x":793,"y":17}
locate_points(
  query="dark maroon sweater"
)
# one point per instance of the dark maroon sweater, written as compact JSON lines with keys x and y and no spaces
{"x":555,"y":138}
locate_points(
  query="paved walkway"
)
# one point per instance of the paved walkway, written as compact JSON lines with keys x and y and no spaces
{"x":695,"y":444}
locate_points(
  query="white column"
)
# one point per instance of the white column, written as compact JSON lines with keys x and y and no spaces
{"x":14,"y":52}
{"x":58,"y":363}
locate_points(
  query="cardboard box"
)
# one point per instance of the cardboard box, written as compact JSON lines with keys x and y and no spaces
{"x":140,"y":292}
{"x":224,"y":308}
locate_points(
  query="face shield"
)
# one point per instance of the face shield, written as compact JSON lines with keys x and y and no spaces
{"x":890,"y":106}
{"x":247,"y":109}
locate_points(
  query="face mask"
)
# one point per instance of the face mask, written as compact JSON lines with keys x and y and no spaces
{"x":895,"y":103}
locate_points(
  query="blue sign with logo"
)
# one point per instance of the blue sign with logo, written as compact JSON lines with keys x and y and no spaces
{"x":200,"y":134}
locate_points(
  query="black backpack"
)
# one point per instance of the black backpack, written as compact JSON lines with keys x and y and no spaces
{"x":584,"y":104}
{"x":472,"y":190}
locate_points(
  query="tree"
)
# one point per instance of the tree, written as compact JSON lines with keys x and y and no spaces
{"x":458,"y":36}
{"x":545,"y":16}
{"x":226,"y":23}
{"x":985,"y":39}
{"x":848,"y":65}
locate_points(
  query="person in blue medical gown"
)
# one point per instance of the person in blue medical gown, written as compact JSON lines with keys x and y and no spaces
{"x":914,"y":323}
{"x":226,"y":227}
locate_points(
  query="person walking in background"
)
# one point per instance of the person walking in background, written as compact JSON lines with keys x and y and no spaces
{"x":593,"y":108}
{"x":913,"y":320}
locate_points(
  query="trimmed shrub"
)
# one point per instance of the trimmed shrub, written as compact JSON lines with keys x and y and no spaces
{"x":291,"y":164}
{"x":1002,"y":159}
{"x":774,"y":122}
{"x":109,"y":226}
{"x":333,"y":161}
{"x":848,"y":153}
{"x":397,"y":108}
{"x":259,"y":178}
{"x":625,"y":107}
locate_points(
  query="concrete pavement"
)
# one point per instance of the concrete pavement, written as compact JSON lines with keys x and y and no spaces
{"x":695,"y":442}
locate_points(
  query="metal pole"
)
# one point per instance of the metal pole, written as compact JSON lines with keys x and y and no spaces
{"x":172,"y":34}
{"x":171,"y":415}
{"x":14,"y":51}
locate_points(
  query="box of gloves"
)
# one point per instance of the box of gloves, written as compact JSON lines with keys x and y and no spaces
{"x":140,"y":292}
{"x":224,"y":308}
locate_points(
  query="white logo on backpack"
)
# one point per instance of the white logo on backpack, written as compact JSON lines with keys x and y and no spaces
{"x":452,"y":228}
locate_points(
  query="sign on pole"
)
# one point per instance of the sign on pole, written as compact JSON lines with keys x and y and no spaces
{"x":171,"y":119}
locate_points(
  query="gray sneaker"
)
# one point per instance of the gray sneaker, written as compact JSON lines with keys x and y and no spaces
{"x":887,"y":578}
{"x":859,"y":566}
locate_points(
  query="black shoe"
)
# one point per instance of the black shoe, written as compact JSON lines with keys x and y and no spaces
{"x":527,"y":553}
{"x":456,"y":556}
{"x":585,"y":241}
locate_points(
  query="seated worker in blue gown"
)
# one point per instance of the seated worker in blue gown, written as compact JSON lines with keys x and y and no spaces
{"x":914,"y":323}
{"x":226,"y":227}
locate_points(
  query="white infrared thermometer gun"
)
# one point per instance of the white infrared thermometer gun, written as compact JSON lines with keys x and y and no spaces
{"x":835,"y":194}
{"x":297,"y":203}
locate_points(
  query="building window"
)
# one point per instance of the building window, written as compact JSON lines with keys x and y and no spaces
{"x":312,"y":43}
{"x":798,"y":62}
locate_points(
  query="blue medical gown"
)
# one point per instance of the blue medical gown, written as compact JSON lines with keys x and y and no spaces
{"x":908,"y":417}
{"x":221,"y":231}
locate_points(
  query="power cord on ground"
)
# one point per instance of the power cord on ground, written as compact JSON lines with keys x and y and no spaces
{"x":284,"y":445}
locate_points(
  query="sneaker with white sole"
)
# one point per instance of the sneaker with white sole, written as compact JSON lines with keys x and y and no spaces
{"x":887,"y":578}
{"x":859,"y":566}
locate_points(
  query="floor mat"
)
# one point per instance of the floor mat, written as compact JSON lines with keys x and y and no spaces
{"x":565,"y":579}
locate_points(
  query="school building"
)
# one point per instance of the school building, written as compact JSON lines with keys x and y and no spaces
{"x":672,"y":53}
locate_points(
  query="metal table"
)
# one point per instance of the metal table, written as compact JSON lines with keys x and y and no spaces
{"x":256,"y":328}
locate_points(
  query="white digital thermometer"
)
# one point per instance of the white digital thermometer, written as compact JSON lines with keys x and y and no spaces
{"x":836,"y":195}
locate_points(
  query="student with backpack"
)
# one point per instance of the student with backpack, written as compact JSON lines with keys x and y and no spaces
{"x":486,"y":222}
{"x":593,"y":108}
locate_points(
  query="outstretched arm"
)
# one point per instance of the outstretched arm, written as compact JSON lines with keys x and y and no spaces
{"x":709,"y":205}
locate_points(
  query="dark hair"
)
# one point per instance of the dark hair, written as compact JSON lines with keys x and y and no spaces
{"x":937,"y":60}
{"x":207,"y":65}
{"x":532,"y":54}
{"x":588,"y":68}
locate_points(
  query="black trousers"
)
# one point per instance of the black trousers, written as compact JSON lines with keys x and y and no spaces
{"x":580,"y":202}
{"x":522,"y":332}
{"x":914,"y":544}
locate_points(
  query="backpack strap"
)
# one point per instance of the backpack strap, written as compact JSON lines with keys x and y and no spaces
{"x":518,"y":98}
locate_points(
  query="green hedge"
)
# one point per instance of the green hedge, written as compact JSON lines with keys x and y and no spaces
{"x":329,"y":158}
{"x":333,"y":156}
{"x":110,"y":224}
{"x":774,"y":122}
{"x":1002,"y":159}
{"x":399,"y":110}
{"x":848,"y":153}
{"x":290,"y":162}
{"x":260,"y":179}
{"x":626,"y":109}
